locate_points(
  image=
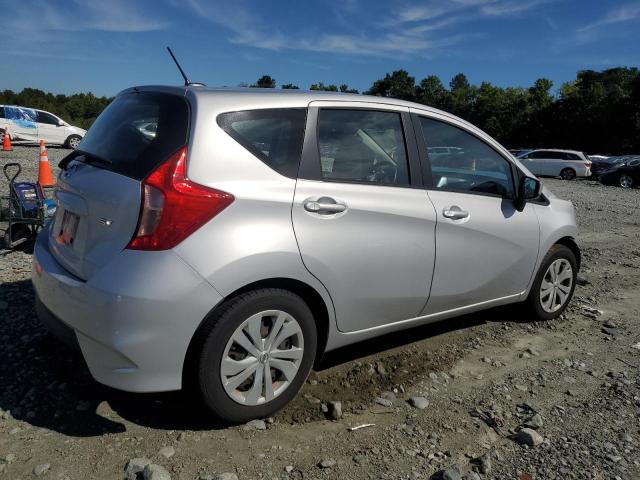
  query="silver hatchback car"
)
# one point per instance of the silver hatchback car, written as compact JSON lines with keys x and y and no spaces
{"x":226,"y":239}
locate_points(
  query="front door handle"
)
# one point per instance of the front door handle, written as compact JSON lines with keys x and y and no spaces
{"x":455,"y":213}
{"x":324,"y":205}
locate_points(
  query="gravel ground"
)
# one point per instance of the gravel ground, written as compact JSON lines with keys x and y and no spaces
{"x":484,"y":396}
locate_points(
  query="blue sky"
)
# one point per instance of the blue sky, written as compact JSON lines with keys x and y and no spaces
{"x":103,"y":46}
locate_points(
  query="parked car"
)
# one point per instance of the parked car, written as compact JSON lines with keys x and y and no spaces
{"x":30,"y":124}
{"x":519,"y":151}
{"x":600,"y":165}
{"x":566,"y":164}
{"x":277,"y":226}
{"x":434,"y":152}
{"x":625,"y":174}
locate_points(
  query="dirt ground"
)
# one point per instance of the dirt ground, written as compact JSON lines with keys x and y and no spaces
{"x":575,"y":381}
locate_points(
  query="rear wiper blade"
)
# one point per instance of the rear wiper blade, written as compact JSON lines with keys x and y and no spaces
{"x":84,"y":157}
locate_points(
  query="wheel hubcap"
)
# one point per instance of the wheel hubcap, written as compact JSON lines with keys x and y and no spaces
{"x":262,"y":357}
{"x":74,"y":143}
{"x":625,"y":181}
{"x":556,"y":285}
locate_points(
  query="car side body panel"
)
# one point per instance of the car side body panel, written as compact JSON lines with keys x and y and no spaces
{"x":253,"y":238}
{"x":489,"y":255}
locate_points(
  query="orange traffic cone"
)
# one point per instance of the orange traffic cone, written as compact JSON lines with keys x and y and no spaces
{"x":6,"y":142}
{"x":44,"y":170}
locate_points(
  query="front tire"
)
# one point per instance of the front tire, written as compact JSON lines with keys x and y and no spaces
{"x":568,"y":174}
{"x":73,"y":141}
{"x":257,"y":351}
{"x":625,"y":181}
{"x":554,"y":284}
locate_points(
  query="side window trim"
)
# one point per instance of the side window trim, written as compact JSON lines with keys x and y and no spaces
{"x":310,"y":165}
{"x":426,"y":161}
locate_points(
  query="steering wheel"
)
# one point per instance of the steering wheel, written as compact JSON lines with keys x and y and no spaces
{"x":384,"y":172}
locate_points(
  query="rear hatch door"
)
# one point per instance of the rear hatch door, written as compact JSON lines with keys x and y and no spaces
{"x":99,"y":188}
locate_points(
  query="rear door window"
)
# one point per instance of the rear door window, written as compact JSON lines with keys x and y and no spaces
{"x":137,"y":132}
{"x":275,"y":136}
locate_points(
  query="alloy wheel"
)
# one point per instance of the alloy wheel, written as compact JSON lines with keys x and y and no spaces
{"x":262,"y":357}
{"x":556,"y":285}
{"x":625,"y":181}
{"x":74,"y":142}
{"x":567,"y":174}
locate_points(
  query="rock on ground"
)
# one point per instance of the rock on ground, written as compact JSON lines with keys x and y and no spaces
{"x":135,"y":466}
{"x":419,"y":402}
{"x":255,"y":425}
{"x":167,"y":452}
{"x":529,"y":437}
{"x":155,"y":472}
{"x":41,"y":469}
{"x":327,"y":463}
{"x":334,"y":410}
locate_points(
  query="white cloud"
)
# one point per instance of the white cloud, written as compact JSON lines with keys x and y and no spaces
{"x":111,"y":15}
{"x":40,"y":29}
{"x":405,"y":30}
{"x":593,"y":31}
{"x":510,"y":7}
{"x":625,"y":13}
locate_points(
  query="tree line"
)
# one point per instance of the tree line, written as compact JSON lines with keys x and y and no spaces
{"x":597,"y":112}
{"x":79,"y":109}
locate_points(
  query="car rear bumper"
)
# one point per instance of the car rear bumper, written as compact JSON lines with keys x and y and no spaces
{"x":133,"y":320}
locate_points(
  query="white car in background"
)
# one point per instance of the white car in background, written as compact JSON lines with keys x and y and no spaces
{"x":566,"y":164}
{"x":32,"y":125}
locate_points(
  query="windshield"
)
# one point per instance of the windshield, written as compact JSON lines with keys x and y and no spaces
{"x":136,"y":133}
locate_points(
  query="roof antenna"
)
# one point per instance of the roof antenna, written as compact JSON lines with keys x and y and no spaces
{"x":186,"y":80}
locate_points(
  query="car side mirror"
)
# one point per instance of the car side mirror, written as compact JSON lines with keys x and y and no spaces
{"x":528,"y":189}
{"x":60,"y":123}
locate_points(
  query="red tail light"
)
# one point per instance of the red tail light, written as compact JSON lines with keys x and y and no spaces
{"x":173,"y":207}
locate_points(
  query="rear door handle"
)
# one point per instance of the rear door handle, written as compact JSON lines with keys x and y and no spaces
{"x":455,"y":213}
{"x":324,"y":205}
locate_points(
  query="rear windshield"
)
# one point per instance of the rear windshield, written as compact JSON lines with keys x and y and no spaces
{"x":137,"y":132}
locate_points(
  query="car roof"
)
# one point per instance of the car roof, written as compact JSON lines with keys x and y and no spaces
{"x":554,"y":150}
{"x":278,"y":94}
{"x":29,"y":108}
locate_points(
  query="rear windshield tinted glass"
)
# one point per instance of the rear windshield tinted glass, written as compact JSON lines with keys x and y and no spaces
{"x":273,"y":135}
{"x":137,"y":132}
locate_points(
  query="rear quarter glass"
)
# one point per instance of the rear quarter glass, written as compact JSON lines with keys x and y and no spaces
{"x":137,"y":132}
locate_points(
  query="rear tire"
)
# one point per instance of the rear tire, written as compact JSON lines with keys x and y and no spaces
{"x":73,"y":141}
{"x":236,"y":347}
{"x":558,"y":271}
{"x":568,"y":174}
